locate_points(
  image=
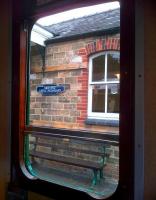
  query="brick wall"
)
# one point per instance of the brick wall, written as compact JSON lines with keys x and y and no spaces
{"x":67,"y":64}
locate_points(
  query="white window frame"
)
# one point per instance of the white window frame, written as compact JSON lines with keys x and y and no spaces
{"x":98,"y":115}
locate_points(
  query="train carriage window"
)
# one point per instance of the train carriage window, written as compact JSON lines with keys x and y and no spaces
{"x":73,"y":99}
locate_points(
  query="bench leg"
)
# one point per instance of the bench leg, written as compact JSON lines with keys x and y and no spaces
{"x":95,"y":177}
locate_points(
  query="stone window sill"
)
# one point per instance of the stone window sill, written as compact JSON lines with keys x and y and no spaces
{"x":102,"y":122}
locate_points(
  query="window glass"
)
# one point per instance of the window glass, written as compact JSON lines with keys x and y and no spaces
{"x":98,"y":104}
{"x":113,"y":98}
{"x":104,"y":95}
{"x":98,"y":68}
{"x":113,"y":69}
{"x":73,"y":100}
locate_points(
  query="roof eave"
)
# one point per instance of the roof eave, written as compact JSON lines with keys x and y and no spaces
{"x":103,"y":32}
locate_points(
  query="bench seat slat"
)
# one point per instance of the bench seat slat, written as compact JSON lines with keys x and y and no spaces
{"x":65,"y":147}
{"x":68,"y":160}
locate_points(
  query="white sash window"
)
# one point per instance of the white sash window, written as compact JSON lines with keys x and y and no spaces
{"x":104,"y":78}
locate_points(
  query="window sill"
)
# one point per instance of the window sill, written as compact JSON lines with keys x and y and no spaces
{"x":102,"y":122}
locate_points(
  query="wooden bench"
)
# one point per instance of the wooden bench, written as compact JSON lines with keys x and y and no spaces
{"x":97,"y":165}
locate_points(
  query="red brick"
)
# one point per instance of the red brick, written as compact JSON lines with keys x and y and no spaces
{"x":118,"y":44}
{"x":85,"y":88}
{"x":84,"y":58}
{"x":84,"y":70}
{"x":82,"y":51}
{"x":114,"y":42}
{"x":84,"y":98}
{"x":83,"y":55}
{"x":82,"y":81}
{"x":84,"y":85}
{"x":84,"y":101}
{"x":87,"y":49}
{"x":99,"y":45}
{"x":108,"y":44}
{"x":85,"y":64}
{"x":83,"y":112}
{"x":111,"y":43}
{"x":82,"y":92}
{"x":83,"y":78}
{"x":85,"y":73}
{"x":85,"y":92}
{"x":81,"y":104}
{"x":81,"y":108}
{"x":80,"y":118}
{"x":83,"y":115}
{"x":90,"y":48}
{"x":80,"y":121}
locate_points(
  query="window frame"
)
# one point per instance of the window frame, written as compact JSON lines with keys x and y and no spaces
{"x":27,"y":12}
{"x":100,"y":115}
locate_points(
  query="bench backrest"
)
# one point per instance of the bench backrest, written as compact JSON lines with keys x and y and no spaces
{"x":80,"y":148}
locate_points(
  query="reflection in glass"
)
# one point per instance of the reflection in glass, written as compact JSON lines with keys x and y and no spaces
{"x":113,"y":65}
{"x":98,"y":99}
{"x":113,"y":98}
{"x":98,"y":68}
{"x":79,"y":163}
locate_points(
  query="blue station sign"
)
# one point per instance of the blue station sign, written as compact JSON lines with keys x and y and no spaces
{"x":50,"y":89}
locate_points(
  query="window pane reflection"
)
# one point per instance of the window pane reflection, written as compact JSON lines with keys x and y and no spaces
{"x":113,"y":98}
{"x":98,"y":68}
{"x":98,"y":99}
{"x":113,"y":67}
{"x":82,"y":163}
